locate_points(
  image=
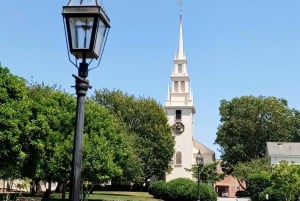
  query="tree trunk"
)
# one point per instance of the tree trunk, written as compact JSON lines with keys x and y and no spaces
{"x":63,"y":192}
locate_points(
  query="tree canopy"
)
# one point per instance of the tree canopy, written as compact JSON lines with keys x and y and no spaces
{"x":106,"y":147}
{"x":243,"y":171}
{"x":14,"y":115}
{"x":146,"y":122}
{"x":285,"y":182}
{"x":208,"y":173}
{"x":128,"y":140}
{"x":248,"y":122}
{"x":281,"y":182}
{"x":50,"y":124}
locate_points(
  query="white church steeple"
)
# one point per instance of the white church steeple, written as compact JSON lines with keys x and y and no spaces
{"x":179,"y":93}
{"x":180,"y":111}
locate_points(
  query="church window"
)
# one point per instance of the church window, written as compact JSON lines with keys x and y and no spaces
{"x":178,"y":115}
{"x":176,"y":86}
{"x":179,"y":68}
{"x":182,"y":86}
{"x":178,"y":158}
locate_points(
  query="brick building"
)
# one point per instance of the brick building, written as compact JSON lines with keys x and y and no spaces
{"x":228,"y":186}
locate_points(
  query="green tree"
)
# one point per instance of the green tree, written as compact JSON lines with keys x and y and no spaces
{"x":285,"y":180}
{"x":106,"y":147}
{"x":145,"y":119}
{"x":50,"y":140}
{"x":244,"y":171}
{"x":208,"y":173}
{"x":128,"y":158}
{"x":50,"y":134}
{"x":61,"y":162}
{"x":257,"y":183}
{"x":248,"y":122}
{"x":296,"y":123}
{"x":50,"y":125}
{"x":280,"y":182}
{"x":14,"y":114}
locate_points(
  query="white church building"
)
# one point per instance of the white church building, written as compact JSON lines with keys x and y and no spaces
{"x":180,"y":110}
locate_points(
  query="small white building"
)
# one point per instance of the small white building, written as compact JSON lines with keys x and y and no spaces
{"x":283,"y":151}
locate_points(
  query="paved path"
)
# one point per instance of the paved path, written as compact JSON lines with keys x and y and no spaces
{"x":234,"y":199}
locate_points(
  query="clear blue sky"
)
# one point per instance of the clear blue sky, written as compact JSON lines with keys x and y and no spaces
{"x":233,"y":47}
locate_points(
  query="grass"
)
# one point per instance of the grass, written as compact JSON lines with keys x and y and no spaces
{"x":117,"y":196}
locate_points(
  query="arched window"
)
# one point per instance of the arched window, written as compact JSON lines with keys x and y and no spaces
{"x":178,"y":158}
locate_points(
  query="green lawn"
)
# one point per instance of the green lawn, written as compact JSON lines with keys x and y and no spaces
{"x":118,"y":195}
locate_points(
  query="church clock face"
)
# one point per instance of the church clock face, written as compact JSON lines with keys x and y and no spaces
{"x":178,"y":128}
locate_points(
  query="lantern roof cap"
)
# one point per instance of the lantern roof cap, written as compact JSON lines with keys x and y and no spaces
{"x":84,"y":3}
{"x":86,"y":7}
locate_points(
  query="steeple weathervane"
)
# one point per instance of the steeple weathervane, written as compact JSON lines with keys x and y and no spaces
{"x":180,"y":11}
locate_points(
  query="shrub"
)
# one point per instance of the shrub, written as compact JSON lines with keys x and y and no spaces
{"x":274,"y":194}
{"x":258,"y":182}
{"x":158,"y":189}
{"x":207,"y":193}
{"x":181,"y":190}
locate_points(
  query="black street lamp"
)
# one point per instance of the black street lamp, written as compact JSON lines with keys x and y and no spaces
{"x":86,"y":29}
{"x":200,"y":162}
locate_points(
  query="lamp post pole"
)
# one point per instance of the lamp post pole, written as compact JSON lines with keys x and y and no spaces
{"x":200,"y":162}
{"x":198,"y":183}
{"x":81,"y":86}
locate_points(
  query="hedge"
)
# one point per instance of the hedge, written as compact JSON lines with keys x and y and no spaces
{"x":181,"y":189}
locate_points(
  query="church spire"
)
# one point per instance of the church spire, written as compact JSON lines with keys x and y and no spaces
{"x":180,"y":93}
{"x":180,"y":53}
{"x":180,"y":111}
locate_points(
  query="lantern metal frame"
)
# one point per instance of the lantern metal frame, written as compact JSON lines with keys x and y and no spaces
{"x":97,"y":13}
{"x":199,"y":159}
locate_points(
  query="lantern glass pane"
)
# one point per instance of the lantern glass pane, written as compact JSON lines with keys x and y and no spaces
{"x":100,"y":37}
{"x":81,"y":31}
{"x":199,"y":160}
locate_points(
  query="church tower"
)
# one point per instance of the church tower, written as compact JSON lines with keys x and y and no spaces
{"x":180,"y":112}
